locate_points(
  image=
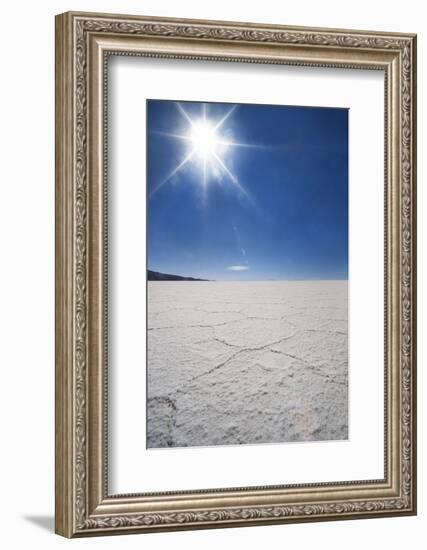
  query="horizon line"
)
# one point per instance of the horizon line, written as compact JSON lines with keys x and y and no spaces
{"x":199,"y":278}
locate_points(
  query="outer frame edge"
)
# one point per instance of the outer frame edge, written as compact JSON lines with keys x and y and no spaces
{"x":64,"y":380}
{"x":63,"y":278}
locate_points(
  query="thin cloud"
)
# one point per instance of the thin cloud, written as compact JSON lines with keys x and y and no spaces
{"x":237,"y":267}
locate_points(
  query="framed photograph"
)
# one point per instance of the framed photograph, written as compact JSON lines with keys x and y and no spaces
{"x":235,"y":274}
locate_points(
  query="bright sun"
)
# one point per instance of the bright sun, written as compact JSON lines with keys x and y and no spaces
{"x":206,"y":147}
{"x":204,"y":137}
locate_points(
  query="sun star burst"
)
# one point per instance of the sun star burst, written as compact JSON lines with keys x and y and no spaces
{"x":206,"y":148}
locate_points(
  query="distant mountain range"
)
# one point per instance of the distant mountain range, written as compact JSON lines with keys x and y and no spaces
{"x":156,"y":276}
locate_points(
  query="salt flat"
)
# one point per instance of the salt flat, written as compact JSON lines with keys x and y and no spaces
{"x":246,"y":362}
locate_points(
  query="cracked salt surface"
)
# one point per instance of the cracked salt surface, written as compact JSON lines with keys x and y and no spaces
{"x":246,"y":362}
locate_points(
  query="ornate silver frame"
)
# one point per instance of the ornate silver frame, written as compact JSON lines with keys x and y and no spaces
{"x":83,"y":42}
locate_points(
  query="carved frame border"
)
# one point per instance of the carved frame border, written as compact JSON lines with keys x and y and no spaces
{"x":83,"y":42}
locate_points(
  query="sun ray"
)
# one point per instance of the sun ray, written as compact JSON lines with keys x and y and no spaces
{"x":239,"y":144}
{"x":232,"y":176}
{"x":228,"y":172}
{"x":224,"y":118}
{"x":204,"y":172}
{"x":174,"y":171}
{"x":184,"y":113}
{"x":172,"y":135}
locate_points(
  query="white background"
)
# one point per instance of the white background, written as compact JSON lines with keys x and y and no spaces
{"x":27,"y":245}
{"x":132,"y":80}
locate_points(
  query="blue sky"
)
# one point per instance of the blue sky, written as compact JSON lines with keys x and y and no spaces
{"x":247,"y":192}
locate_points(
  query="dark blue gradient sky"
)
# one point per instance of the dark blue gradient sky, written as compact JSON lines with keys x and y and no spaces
{"x":278,"y":211}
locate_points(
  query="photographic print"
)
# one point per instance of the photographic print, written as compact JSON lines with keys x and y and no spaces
{"x":247,"y":274}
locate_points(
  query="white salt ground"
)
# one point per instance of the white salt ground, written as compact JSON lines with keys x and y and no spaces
{"x":246,"y":362}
